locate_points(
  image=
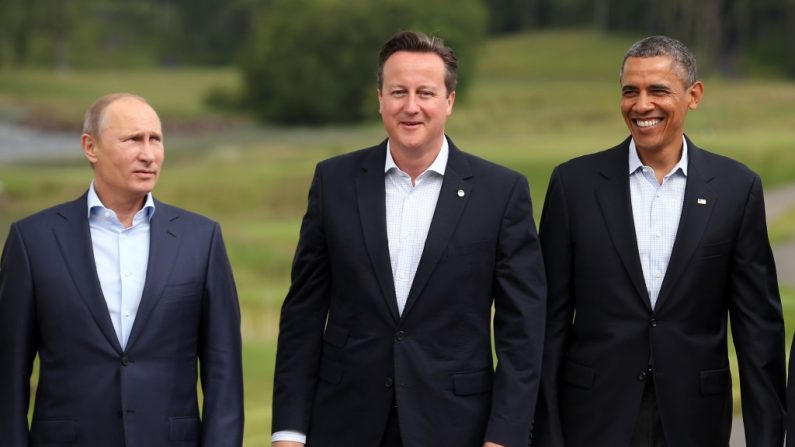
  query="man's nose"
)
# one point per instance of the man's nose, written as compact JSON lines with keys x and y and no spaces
{"x":644,"y":102}
{"x":146,"y":152}
{"x":412,"y":106}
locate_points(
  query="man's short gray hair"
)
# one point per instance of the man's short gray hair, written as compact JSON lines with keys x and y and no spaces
{"x":654,"y":46}
{"x":92,"y":122}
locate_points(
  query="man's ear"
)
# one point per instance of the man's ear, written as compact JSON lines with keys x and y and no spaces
{"x":696,"y":92}
{"x":89,"y":145}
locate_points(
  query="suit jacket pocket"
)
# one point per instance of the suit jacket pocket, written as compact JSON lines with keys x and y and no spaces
{"x":184,"y":428}
{"x":53,"y":431}
{"x":468,"y":383}
{"x":331,"y":373}
{"x":336,"y":336}
{"x":578,"y":375}
{"x":713,"y":250}
{"x":715,"y":381}
{"x":182,"y":292}
{"x":474,"y":248}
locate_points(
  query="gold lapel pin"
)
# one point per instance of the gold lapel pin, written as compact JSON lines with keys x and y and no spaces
{"x":702,"y":201}
{"x":461,"y":193}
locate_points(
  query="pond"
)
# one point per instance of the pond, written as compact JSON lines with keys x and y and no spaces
{"x":24,"y":143}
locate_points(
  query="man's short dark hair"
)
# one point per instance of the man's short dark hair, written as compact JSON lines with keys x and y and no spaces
{"x":654,"y":46}
{"x":417,"y":42}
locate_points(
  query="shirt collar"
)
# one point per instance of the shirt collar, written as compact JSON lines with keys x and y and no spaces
{"x":635,"y":163}
{"x":439,"y":164}
{"x":94,"y":202}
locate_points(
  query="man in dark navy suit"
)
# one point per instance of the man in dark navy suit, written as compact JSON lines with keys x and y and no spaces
{"x":385,"y":336}
{"x":651,"y":248}
{"x":126,"y":300}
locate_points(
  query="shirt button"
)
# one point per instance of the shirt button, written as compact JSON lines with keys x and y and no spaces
{"x":659,"y":195}
{"x":107,"y":214}
{"x":402,"y":275}
{"x":656,"y":235}
{"x":657,"y":275}
{"x":126,"y":274}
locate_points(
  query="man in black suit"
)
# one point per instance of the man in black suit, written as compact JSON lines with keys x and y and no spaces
{"x":124,"y":299}
{"x":649,"y":247}
{"x":385,"y":335}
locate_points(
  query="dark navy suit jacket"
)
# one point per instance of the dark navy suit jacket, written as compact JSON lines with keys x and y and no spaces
{"x":602,"y":332}
{"x":90,"y":391}
{"x":345,"y":354}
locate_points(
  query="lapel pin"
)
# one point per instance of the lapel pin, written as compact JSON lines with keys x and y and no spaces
{"x":702,"y":201}
{"x":461,"y":193}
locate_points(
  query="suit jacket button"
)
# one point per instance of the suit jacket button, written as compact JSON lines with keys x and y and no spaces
{"x":388,"y":382}
{"x":642,"y":376}
{"x":400,"y":335}
{"x":653,"y":322}
{"x":125,"y":361}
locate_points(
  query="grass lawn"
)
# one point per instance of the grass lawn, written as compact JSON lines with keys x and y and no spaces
{"x":538,"y":100}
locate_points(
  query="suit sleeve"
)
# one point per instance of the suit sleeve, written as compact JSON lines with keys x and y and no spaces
{"x":556,"y":244}
{"x":303,"y":317}
{"x":18,"y":340}
{"x":220,"y":357}
{"x":519,"y":307}
{"x":758,"y":326}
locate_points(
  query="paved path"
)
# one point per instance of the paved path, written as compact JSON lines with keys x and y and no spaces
{"x":777,"y":202}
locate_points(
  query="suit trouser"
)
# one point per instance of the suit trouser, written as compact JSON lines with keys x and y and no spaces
{"x":648,"y":429}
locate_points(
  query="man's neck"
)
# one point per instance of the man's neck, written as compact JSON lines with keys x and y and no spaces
{"x":124,"y":207}
{"x":415,"y":162}
{"x":662,"y":161}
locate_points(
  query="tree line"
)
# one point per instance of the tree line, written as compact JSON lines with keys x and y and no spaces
{"x":313,"y":61}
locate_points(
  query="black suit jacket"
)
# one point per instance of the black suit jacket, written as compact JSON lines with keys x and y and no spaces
{"x":91,"y":392}
{"x":344,"y":351}
{"x":602,"y":332}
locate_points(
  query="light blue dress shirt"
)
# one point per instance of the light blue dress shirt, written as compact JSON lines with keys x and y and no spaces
{"x":656,"y":209}
{"x":121,"y":256}
{"x":409,"y":211}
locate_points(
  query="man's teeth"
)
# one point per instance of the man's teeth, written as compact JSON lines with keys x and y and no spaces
{"x":647,"y":123}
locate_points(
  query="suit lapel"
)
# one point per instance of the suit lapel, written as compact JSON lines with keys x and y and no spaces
{"x":448,"y":211}
{"x":73,"y":237}
{"x":372,"y":213}
{"x":614,"y":201}
{"x":695,"y":216}
{"x":163,"y":251}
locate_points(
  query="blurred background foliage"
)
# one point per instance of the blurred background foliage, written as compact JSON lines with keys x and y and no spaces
{"x":253,"y":93}
{"x":311,"y":61}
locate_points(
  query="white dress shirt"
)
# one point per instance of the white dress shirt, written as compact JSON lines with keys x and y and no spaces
{"x":121,"y":256}
{"x":656,"y":209}
{"x":409,"y":211}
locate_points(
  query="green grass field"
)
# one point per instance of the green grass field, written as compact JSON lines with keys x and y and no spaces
{"x":537,"y":100}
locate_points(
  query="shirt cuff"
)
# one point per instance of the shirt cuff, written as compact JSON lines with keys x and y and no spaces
{"x":289,"y":435}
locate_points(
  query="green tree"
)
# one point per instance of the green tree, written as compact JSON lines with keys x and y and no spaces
{"x":314,"y":61}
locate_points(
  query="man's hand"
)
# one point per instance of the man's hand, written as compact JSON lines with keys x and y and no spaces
{"x":287,"y":444}
{"x":491,"y":444}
